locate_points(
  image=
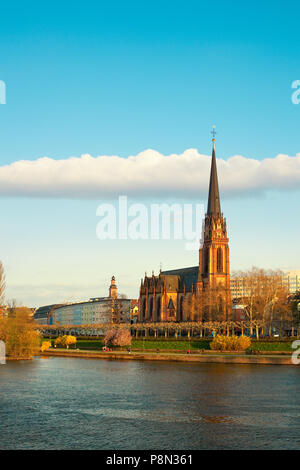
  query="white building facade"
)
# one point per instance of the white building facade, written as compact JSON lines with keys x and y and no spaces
{"x":98,"y":310}
{"x":95,"y":311}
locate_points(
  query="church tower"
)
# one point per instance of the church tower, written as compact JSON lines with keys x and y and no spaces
{"x":113,"y":290}
{"x":196,"y":293}
{"x":214,"y":270}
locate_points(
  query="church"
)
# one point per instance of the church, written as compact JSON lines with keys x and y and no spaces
{"x":198,"y":293}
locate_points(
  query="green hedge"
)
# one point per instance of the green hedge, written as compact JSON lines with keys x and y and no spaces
{"x":271,"y":346}
{"x":157,"y":344}
{"x":89,"y":344}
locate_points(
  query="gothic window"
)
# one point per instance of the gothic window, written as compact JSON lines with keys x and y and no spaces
{"x":181,"y":309}
{"x":220,"y":308}
{"x":158,"y":309}
{"x":206,"y":260}
{"x":151,"y":309}
{"x":144,"y":309}
{"x":219,"y":260}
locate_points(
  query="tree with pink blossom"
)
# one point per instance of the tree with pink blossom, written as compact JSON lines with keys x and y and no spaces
{"x":118,"y":337}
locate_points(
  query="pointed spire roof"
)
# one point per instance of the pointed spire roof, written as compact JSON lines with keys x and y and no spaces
{"x":214,"y":206}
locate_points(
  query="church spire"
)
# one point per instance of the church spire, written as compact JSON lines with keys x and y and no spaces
{"x":213,"y":206}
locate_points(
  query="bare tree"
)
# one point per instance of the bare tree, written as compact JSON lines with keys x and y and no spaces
{"x":264,"y":298}
{"x":193,"y":307}
{"x":119,"y":309}
{"x":295,"y":311}
{"x":211,"y":304}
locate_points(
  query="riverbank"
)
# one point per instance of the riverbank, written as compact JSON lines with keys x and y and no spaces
{"x":224,"y":358}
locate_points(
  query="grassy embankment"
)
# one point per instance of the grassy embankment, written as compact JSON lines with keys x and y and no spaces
{"x":184,"y":345}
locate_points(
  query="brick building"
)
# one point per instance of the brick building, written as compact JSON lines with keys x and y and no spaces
{"x":164,"y":297}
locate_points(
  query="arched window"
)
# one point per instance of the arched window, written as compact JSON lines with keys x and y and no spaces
{"x":151,"y":309}
{"x":144,"y":309}
{"x":220,"y":308}
{"x":206,"y":260}
{"x":158,"y":309}
{"x":219,"y":260}
{"x":181,"y":309}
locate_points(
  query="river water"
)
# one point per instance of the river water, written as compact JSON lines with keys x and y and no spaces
{"x":69,"y":403}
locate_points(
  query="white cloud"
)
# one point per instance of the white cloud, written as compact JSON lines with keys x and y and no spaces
{"x":148,"y":173}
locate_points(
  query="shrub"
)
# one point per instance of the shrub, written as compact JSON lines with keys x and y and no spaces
{"x":70,"y":340}
{"x":45,"y":345}
{"x":230,"y":343}
{"x":245,"y":342}
{"x":65,"y":341}
{"x":58,"y":342}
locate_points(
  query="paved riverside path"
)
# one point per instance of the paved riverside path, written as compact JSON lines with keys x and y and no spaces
{"x":223,"y":358}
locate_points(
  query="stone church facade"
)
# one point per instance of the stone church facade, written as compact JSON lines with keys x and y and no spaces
{"x":176,"y":295}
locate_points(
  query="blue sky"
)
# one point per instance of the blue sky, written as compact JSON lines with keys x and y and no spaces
{"x":118,"y":78}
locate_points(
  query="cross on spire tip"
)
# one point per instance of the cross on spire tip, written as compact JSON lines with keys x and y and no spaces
{"x":214,"y":132}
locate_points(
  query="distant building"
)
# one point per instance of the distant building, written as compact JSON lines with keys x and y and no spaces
{"x":239,"y":313}
{"x":113,"y":290}
{"x":237,"y":287}
{"x":84,"y":313}
{"x":32,"y":310}
{"x":134,"y":310}
{"x":44,"y":315}
{"x":111,"y":309}
{"x":292,"y":280}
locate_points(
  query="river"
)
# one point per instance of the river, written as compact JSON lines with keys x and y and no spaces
{"x":70,"y":403}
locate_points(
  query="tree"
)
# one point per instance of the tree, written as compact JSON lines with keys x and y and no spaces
{"x":122,"y":338}
{"x":217,"y":305}
{"x":69,"y":340}
{"x":108,"y":338}
{"x":295,"y":311}
{"x":65,"y":341}
{"x":248,"y":293}
{"x":118,"y":337}
{"x":209,"y":304}
{"x":193,"y":307}
{"x":18,"y":331}
{"x":272,"y":299}
{"x":119,"y":309}
{"x":264,"y":297}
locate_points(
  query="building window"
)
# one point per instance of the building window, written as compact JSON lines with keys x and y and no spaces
{"x":144,"y":309}
{"x":181,"y":309}
{"x":219,"y":260}
{"x":158,"y":309}
{"x":206,"y":260}
{"x":151,"y":309}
